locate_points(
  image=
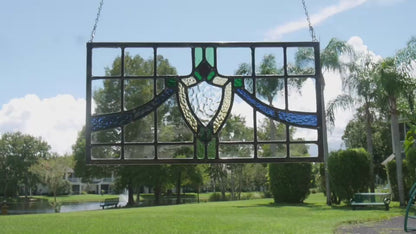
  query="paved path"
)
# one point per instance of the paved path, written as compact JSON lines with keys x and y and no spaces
{"x":394,"y":225}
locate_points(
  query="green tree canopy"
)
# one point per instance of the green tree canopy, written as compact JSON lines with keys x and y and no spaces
{"x":17,"y":153}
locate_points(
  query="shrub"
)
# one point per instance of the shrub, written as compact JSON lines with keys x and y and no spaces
{"x":391,"y":167}
{"x":290,"y":182}
{"x":349,"y":173}
{"x":218,"y":197}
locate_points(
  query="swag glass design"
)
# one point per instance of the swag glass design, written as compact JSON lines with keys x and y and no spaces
{"x":173,"y":103}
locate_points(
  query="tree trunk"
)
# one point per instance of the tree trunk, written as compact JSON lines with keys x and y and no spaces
{"x":369,"y":138}
{"x":178,"y":188}
{"x":138,"y":196}
{"x":157,"y":192}
{"x":130,"y":201}
{"x":397,"y":148}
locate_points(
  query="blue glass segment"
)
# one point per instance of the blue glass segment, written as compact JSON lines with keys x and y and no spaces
{"x":299,"y":119}
{"x":294,"y":118}
{"x":102,"y":122}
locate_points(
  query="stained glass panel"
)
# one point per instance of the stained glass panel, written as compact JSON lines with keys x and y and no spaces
{"x":156,"y":103}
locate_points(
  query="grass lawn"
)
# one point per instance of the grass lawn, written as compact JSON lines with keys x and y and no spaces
{"x":250,"y":216}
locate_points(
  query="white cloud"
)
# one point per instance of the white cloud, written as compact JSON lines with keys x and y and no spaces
{"x":317,"y":18}
{"x":57,"y":120}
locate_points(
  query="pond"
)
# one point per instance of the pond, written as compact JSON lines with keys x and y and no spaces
{"x":43,"y":206}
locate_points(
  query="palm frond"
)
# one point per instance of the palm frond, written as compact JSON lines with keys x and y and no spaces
{"x":343,"y":101}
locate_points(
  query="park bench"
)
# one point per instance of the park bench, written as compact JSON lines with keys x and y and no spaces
{"x":371,"y":199}
{"x":109,"y":202}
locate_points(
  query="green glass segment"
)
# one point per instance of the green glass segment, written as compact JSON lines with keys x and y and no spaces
{"x":171,"y":82}
{"x":212,"y":149}
{"x":200,"y":149}
{"x":198,"y":56}
{"x":198,"y":76}
{"x":209,"y":55}
{"x":211,"y":75}
{"x":205,"y":133}
{"x":238,"y":82}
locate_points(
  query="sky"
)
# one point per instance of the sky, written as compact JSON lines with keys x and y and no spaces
{"x":43,"y":46}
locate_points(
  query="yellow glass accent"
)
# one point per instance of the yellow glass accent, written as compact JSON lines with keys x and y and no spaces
{"x":186,"y":109}
{"x":188,"y":81}
{"x":219,"y":81}
{"x":225,"y":107}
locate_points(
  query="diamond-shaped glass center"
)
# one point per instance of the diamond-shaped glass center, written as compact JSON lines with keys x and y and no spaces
{"x":205,"y":100}
{"x":204,"y":69}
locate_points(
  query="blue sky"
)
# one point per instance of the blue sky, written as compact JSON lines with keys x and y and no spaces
{"x":42,"y":44}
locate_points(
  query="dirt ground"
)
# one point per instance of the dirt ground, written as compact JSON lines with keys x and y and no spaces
{"x":394,"y":225}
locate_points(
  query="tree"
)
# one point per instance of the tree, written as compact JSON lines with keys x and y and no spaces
{"x":330,"y":61}
{"x":136,"y":93}
{"x":361,"y":90}
{"x":52,"y":171}
{"x":392,"y":85}
{"x":18,"y":152}
{"x":381,"y":139}
{"x":81,"y":169}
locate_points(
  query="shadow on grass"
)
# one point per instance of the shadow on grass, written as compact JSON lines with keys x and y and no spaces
{"x":304,"y":205}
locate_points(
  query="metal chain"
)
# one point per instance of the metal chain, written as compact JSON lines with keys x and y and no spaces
{"x":100,"y":7}
{"x":311,"y":31}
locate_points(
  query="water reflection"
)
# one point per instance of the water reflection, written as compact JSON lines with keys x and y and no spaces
{"x":43,"y":206}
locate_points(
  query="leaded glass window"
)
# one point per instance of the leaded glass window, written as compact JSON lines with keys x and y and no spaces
{"x":154,"y":103}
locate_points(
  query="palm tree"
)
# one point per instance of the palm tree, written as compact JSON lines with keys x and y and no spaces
{"x":330,"y":61}
{"x":391,"y":84}
{"x":361,"y":90}
{"x":396,"y":81}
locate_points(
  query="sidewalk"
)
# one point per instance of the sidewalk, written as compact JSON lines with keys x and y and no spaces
{"x":394,"y":225}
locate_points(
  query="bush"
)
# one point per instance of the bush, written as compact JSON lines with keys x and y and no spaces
{"x":349,"y":173}
{"x":290,"y":182}
{"x":391,"y":167}
{"x":217,"y":197}
{"x":411,"y":165}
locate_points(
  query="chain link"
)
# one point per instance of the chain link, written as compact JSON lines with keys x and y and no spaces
{"x":100,"y":7}
{"x":311,"y":31}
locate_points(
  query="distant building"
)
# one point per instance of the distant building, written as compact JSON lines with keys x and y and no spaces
{"x":95,"y":186}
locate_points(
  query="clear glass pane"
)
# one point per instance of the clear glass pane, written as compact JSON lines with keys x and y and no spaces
{"x":302,"y":94}
{"x":269,"y":61}
{"x":160,"y":85}
{"x":269,"y":129}
{"x":205,"y":100}
{"x":271,"y":151}
{"x":239,"y":125}
{"x":137,"y":92}
{"x":236,"y":151}
{"x":248,"y":85}
{"x":106,"y":96}
{"x":303,"y":134}
{"x":234,"y":61}
{"x":300,"y":61}
{"x":141,"y":130}
{"x":175,"y":151}
{"x":105,"y":152}
{"x":271,"y":91}
{"x":171,"y":125}
{"x":303,"y":150}
{"x":106,"y":136}
{"x":138,"y":62}
{"x":139,"y":152}
{"x":106,"y":62}
{"x":174,"y":61}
